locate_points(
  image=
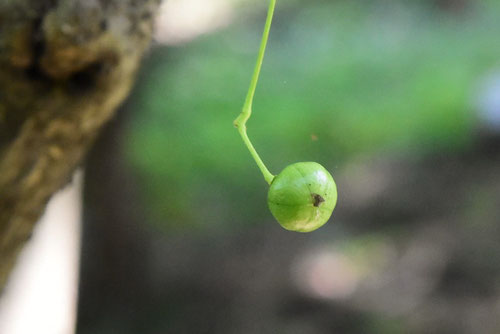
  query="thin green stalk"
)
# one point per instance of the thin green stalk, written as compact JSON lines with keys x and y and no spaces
{"x":241,"y":120}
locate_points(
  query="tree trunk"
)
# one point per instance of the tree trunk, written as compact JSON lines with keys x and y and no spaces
{"x":65,"y":65}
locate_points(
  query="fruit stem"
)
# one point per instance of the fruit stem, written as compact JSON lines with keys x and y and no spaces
{"x":241,"y":120}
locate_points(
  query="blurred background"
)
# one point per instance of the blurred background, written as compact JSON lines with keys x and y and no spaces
{"x":399,"y":100}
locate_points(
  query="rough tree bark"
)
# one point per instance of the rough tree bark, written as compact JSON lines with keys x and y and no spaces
{"x":65,"y":65}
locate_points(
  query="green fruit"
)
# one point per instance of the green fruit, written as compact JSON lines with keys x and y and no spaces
{"x":302,"y":197}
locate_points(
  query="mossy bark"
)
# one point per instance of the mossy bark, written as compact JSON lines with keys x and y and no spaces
{"x":65,"y":65}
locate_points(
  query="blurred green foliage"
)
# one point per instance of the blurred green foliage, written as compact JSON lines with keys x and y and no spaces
{"x":340,"y":79}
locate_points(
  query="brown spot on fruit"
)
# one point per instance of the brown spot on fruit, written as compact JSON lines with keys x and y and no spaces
{"x":317,"y":200}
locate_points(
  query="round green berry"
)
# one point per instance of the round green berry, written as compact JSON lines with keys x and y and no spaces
{"x":302,"y":197}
